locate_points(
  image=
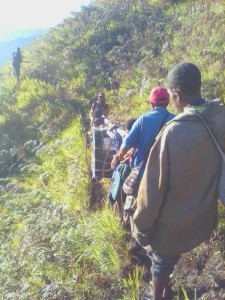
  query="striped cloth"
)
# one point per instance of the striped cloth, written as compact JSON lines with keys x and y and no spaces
{"x":103,"y":149}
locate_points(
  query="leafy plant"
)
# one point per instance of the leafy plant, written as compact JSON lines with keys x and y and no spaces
{"x":132,"y":283}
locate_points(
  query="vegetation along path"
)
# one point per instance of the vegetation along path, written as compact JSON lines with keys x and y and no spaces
{"x":54,"y":245}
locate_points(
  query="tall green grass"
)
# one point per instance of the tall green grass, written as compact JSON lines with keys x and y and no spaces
{"x":52,"y":246}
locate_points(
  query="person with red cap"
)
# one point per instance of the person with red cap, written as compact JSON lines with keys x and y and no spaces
{"x":101,"y":105}
{"x":145,"y":129}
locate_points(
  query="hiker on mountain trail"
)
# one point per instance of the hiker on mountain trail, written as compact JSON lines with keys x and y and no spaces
{"x":145,"y":129}
{"x":121,"y":170}
{"x":178,"y":195}
{"x":100,"y":104}
{"x":17,"y":60}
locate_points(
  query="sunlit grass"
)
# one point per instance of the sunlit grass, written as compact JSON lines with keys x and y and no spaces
{"x":63,"y":173}
{"x":33,"y":92}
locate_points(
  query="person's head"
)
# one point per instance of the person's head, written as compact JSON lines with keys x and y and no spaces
{"x":98,"y":118}
{"x":99,"y":121}
{"x":97,"y":113}
{"x":184,"y":82}
{"x":159,"y":96}
{"x":18,"y":49}
{"x":101,"y":97}
{"x":129,"y":123}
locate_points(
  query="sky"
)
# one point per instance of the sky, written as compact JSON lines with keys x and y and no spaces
{"x":32,"y":14}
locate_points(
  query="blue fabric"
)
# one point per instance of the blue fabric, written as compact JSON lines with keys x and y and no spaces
{"x":162,"y":265}
{"x":119,"y":175}
{"x":143,"y":134}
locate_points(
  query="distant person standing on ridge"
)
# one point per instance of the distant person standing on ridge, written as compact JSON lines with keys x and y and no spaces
{"x":17,"y":60}
{"x":100,"y":104}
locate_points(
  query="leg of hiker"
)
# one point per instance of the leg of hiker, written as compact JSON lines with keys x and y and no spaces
{"x":116,"y":207}
{"x":17,"y":72}
{"x":162,"y":267}
{"x":119,"y":204}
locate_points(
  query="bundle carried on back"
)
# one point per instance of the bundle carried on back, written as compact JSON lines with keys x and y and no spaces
{"x":103,"y":149}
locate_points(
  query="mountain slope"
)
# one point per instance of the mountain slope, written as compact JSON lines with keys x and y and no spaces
{"x":54,"y":244}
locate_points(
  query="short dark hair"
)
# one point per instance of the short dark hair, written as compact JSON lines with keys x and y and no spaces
{"x":129,"y":123}
{"x":97,"y":113}
{"x":186,"y":77}
{"x":99,"y":121}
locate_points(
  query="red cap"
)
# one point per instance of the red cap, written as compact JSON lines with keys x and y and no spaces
{"x":159,"y":95}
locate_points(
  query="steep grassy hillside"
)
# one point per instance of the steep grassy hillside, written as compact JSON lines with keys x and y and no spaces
{"x":53,"y":244}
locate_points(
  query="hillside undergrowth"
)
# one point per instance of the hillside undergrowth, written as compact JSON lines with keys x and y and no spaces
{"x":53,"y":245}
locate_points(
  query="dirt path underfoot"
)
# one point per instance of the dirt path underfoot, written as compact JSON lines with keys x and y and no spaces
{"x":97,"y":194}
{"x":199,"y":275}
